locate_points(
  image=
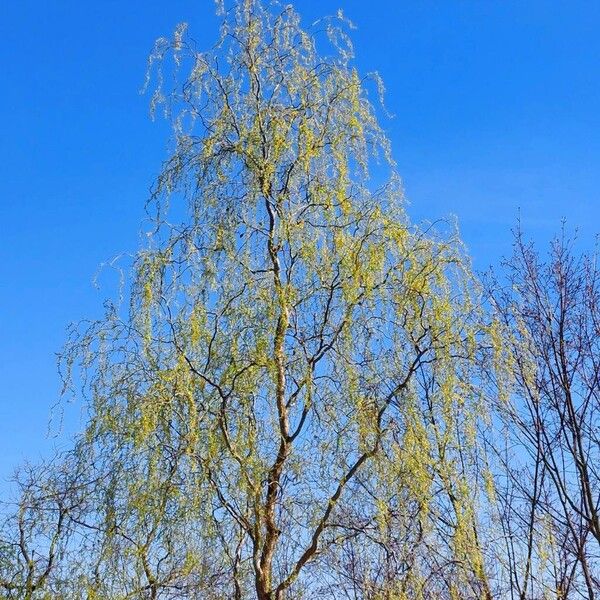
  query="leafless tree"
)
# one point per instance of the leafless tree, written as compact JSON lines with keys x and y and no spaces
{"x":550,"y":497}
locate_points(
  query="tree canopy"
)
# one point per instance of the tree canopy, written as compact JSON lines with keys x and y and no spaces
{"x":294,"y":401}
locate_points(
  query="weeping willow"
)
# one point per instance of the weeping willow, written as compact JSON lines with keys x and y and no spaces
{"x":288,"y":405}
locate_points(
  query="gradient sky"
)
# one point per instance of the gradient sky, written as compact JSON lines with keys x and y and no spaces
{"x":496,"y":108}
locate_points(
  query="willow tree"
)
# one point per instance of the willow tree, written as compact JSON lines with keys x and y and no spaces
{"x":288,"y":405}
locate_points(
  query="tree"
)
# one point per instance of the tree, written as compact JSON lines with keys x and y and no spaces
{"x":289,"y":407}
{"x":551,"y":499}
{"x":35,"y":538}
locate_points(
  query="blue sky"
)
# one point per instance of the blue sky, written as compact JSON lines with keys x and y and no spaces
{"x":497,"y":112}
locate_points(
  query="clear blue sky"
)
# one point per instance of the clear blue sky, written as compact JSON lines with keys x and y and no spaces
{"x":497,"y":109}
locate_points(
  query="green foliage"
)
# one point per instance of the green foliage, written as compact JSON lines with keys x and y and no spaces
{"x":295,"y":379}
